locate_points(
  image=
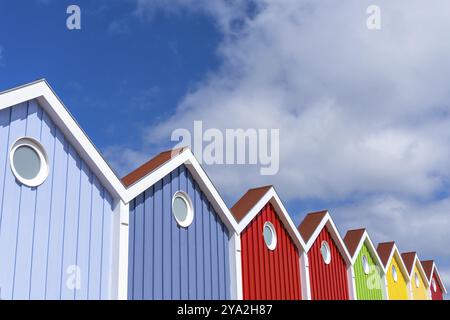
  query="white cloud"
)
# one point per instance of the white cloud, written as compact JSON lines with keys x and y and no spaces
{"x":363,"y":114}
{"x":414,"y":225}
{"x":121,"y":157}
{"x":360,"y":111}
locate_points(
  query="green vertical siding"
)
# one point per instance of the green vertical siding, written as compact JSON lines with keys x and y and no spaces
{"x":368,"y":286}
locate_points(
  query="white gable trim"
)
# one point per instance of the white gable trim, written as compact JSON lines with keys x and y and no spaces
{"x":187,"y":158}
{"x":328,"y":223}
{"x":272,"y":197}
{"x":442,"y":285}
{"x":421,"y":271}
{"x":365,"y":239}
{"x":395,"y":252}
{"x":53,"y":106}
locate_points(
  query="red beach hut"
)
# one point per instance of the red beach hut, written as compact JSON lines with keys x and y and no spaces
{"x":272,"y":249}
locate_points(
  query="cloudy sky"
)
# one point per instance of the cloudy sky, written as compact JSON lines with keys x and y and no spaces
{"x":363,"y":114}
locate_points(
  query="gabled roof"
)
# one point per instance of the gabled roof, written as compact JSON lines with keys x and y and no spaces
{"x":161,"y":165}
{"x":248,"y":201}
{"x":386,"y":251}
{"x":411,"y":259}
{"x":314,"y":223}
{"x":311,"y":223}
{"x":150,"y":166}
{"x":254,"y":200}
{"x":354,"y":240}
{"x":136,"y":182}
{"x":53,"y":106}
{"x":408,"y":260}
{"x":429,"y":267}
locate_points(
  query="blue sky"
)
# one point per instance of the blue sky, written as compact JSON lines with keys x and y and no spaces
{"x":128,"y":71}
{"x":363,"y":114}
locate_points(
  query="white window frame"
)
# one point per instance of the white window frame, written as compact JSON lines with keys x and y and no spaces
{"x":190,"y":209}
{"x":327,"y":259}
{"x":365,"y":264}
{"x":416,"y":280}
{"x":394,"y":273}
{"x":271,"y":246}
{"x":39,"y":149}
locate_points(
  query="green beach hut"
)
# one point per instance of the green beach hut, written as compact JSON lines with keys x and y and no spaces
{"x":368,"y":274}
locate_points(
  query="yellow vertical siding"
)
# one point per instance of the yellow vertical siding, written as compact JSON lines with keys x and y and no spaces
{"x":396,"y":290}
{"x":418,"y":292}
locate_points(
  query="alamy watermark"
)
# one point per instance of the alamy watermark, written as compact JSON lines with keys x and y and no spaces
{"x":374,"y":279}
{"x":73,"y":281}
{"x":373,"y":21}
{"x":232,"y":146}
{"x":73,"y":21}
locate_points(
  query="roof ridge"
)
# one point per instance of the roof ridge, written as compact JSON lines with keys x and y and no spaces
{"x":317,"y":212}
{"x":262,"y":187}
{"x":150,"y":166}
{"x":359,"y":229}
{"x":247,"y":201}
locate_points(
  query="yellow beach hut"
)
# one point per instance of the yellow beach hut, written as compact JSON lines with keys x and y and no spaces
{"x":397,"y":276}
{"x":419,"y":286}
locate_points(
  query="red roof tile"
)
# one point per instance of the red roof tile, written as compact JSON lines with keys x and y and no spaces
{"x":150,"y":166}
{"x":384,"y":251}
{"x":248,"y":201}
{"x":352,"y":239}
{"x":408,"y":260}
{"x":428,"y":268}
{"x":310,"y":224}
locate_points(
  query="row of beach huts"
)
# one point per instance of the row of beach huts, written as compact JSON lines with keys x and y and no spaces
{"x":71,"y":229}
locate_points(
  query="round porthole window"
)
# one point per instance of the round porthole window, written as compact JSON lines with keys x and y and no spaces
{"x":394,"y":273}
{"x":29,"y":162}
{"x":365,"y":264}
{"x":416,"y":279}
{"x":326,"y":253}
{"x":270,"y":236}
{"x":433,"y":284}
{"x":182,"y":209}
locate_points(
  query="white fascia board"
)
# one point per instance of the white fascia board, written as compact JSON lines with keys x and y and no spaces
{"x":373,"y":251}
{"x":358,"y":248}
{"x":124,"y":229}
{"x":119,"y":266}
{"x":395,"y":252}
{"x":351,"y":279}
{"x":435,"y":269}
{"x":304,"y":276}
{"x":365,"y":239}
{"x":235,"y":267}
{"x":421,"y":271}
{"x":272,"y":197}
{"x":53,"y":106}
{"x":385,"y":288}
{"x":153,"y":177}
{"x":328,"y":223}
{"x":187,"y":158}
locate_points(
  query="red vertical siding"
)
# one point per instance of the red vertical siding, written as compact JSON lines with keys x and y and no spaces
{"x":438,"y":295}
{"x":328,"y":281}
{"x":271,"y":275}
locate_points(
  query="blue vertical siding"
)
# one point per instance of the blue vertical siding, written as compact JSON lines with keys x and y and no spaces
{"x":60,"y":229}
{"x":170,"y":262}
